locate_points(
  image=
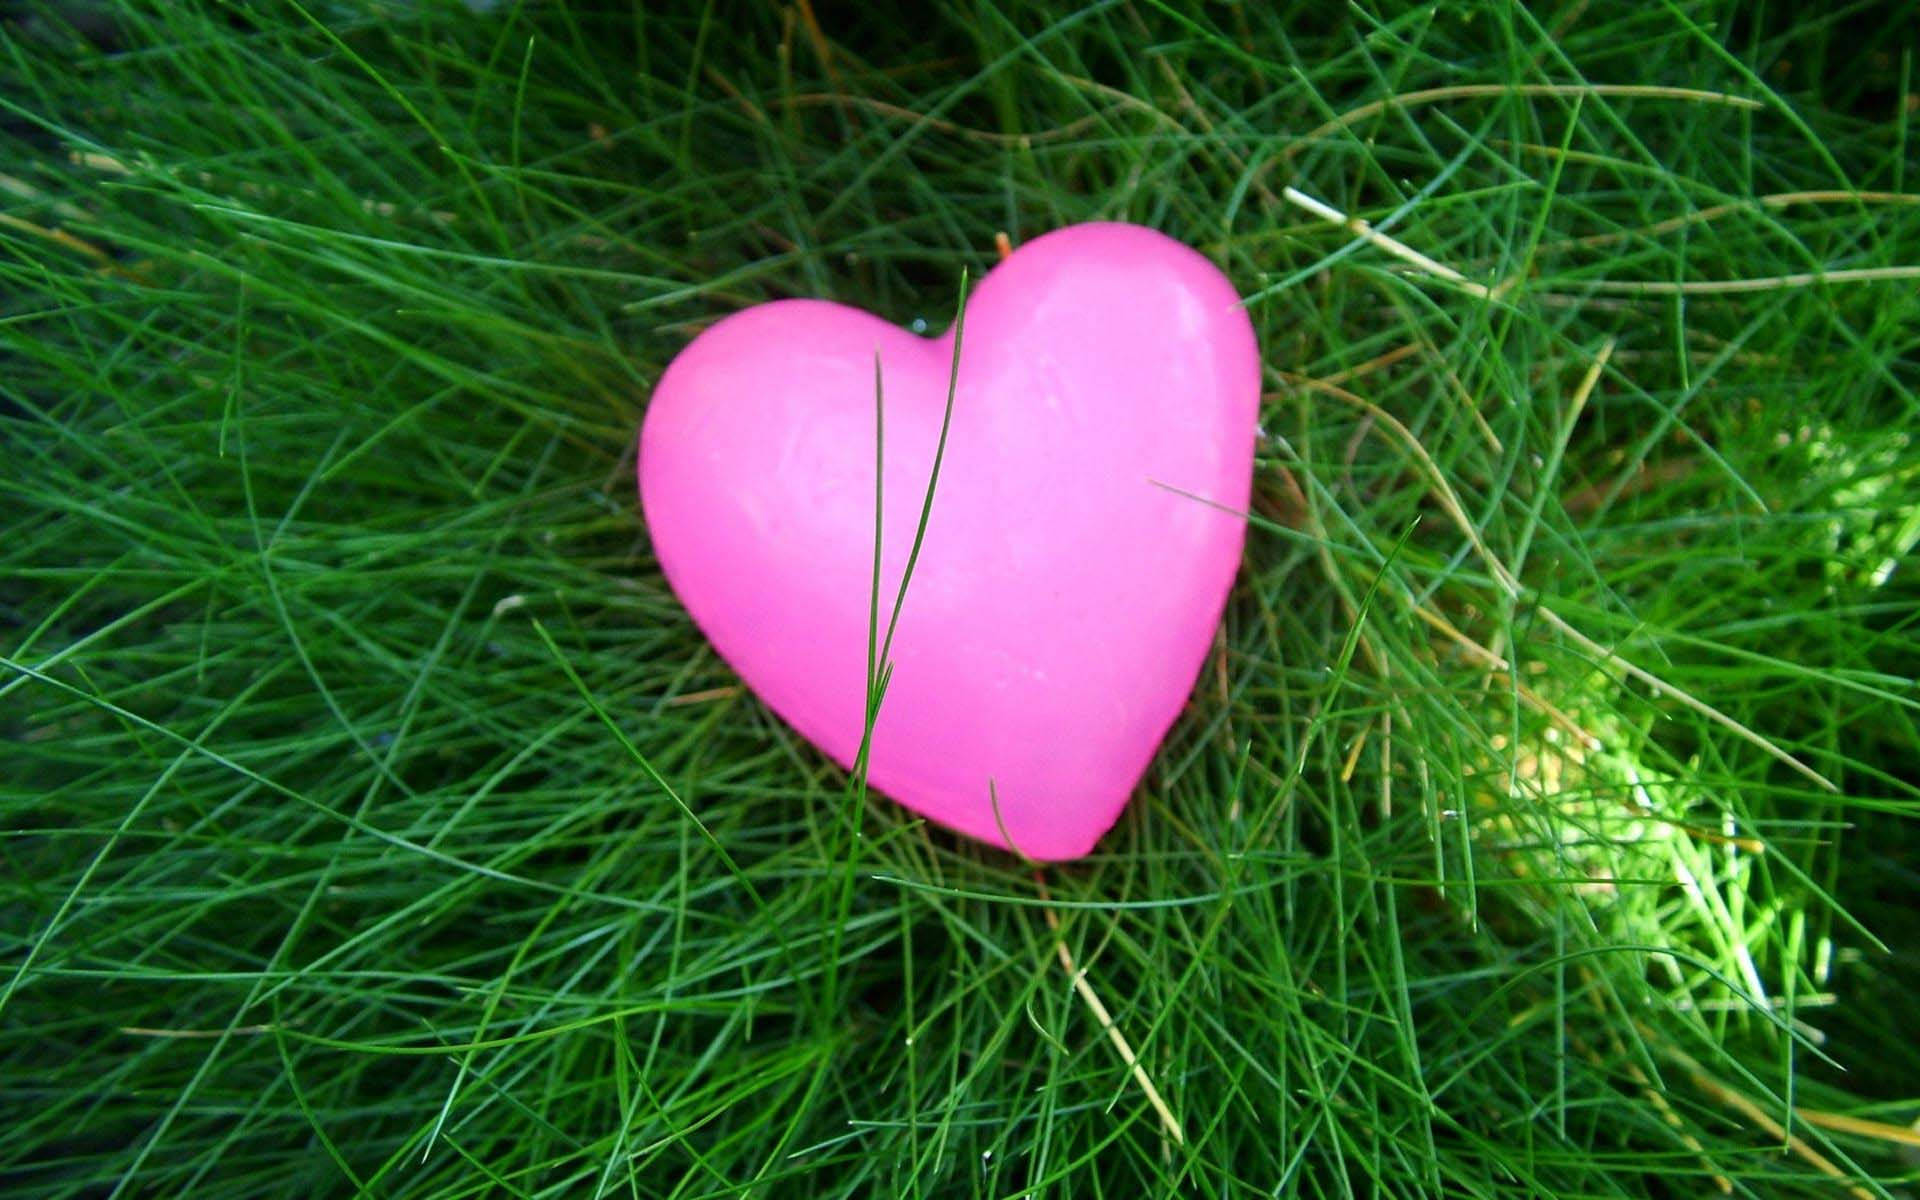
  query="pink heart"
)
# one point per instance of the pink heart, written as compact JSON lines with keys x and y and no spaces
{"x":1078,"y":554}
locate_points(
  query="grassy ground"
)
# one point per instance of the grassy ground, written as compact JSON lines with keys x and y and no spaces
{"x":1543,"y":823}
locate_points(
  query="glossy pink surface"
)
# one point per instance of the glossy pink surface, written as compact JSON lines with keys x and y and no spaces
{"x":1067,"y":593}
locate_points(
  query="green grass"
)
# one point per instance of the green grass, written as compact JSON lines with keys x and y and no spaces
{"x":1543,"y":824}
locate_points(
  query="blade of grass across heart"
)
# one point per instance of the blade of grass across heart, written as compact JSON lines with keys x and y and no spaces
{"x":879,"y":668}
{"x":879,"y":664}
{"x":876,"y":688}
{"x":933,"y":477}
{"x":879,"y":671}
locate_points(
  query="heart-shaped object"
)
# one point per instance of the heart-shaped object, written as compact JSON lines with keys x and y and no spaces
{"x":1082,"y":540}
